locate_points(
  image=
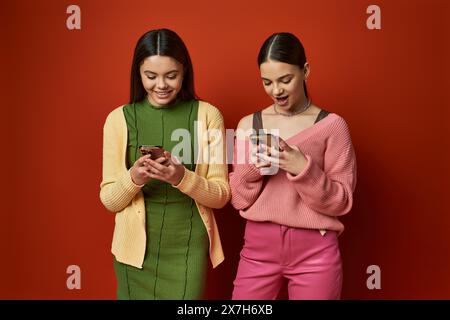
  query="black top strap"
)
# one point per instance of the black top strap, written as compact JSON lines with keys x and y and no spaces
{"x":322,"y":114}
{"x":258,"y":124}
{"x":257,"y":121}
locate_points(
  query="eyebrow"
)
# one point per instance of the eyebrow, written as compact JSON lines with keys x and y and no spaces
{"x":151,"y":72}
{"x":286,"y":75}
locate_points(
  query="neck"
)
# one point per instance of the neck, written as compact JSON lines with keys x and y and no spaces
{"x":300,"y":105}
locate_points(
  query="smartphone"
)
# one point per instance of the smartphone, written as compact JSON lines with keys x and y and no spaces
{"x":154,"y":151}
{"x":268,"y":139}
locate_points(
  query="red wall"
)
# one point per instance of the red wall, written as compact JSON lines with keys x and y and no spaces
{"x":391,"y":85}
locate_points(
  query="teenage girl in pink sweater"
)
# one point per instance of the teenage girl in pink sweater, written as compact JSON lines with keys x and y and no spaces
{"x":292,"y":213}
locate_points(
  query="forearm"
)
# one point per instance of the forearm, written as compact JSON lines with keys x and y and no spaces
{"x":117,"y":194}
{"x":212,"y":191}
{"x":331,"y":196}
{"x":246,"y":183}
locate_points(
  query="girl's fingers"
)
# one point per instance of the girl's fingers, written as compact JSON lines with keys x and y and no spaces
{"x":255,"y":160}
{"x":255,"y":149}
{"x":141,"y":160}
{"x":144,"y":171}
{"x":156,"y":165}
{"x":147,"y":174}
{"x":163,"y":160}
{"x":284,"y":146}
{"x":157,"y":177}
{"x":262,"y":165}
{"x":154,"y":176}
{"x":169,"y":159}
{"x":152,"y":170}
{"x":155,"y":172}
{"x":272,"y":151}
{"x":295,"y":147}
{"x":268,"y":158}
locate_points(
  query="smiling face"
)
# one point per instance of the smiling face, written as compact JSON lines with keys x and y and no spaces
{"x":162,"y":78}
{"x":283,"y":82}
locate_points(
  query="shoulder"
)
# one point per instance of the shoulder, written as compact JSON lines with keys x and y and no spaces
{"x":246,"y":122}
{"x":115,"y":113}
{"x":208,"y":107}
{"x":115,"y":117}
{"x":338,"y":120}
{"x":210,"y":112}
{"x":333,"y":119}
{"x":337,"y":126}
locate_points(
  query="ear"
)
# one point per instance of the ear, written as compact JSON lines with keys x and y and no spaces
{"x":306,"y":70}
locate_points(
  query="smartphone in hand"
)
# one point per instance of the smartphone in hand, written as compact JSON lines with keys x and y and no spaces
{"x":268,"y":139}
{"x":154,"y":151}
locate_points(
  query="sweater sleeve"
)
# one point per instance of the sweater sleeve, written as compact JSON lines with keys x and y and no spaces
{"x":116,"y":189}
{"x":212,"y":191}
{"x":330,"y":191}
{"x":245,"y":180}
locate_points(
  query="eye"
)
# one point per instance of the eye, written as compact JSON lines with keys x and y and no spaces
{"x":286,"y":81}
{"x":151,"y":77}
{"x":172,"y":76}
{"x":267,"y":83}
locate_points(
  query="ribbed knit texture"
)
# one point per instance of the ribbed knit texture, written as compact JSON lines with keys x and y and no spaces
{"x":312,"y":199}
{"x":208,"y":186}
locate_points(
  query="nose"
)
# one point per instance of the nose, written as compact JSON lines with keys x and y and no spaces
{"x":161,"y":84}
{"x":277,"y":91}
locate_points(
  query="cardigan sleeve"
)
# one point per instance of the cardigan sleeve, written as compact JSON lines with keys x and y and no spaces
{"x":245,"y":180}
{"x":117,"y":189}
{"x":330,"y":191}
{"x":213,"y":190}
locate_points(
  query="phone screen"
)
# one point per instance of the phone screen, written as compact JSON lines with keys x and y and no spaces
{"x":268,"y":139}
{"x":155,"y":152}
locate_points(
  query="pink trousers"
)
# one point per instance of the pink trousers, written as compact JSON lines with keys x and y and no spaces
{"x":272,"y":254}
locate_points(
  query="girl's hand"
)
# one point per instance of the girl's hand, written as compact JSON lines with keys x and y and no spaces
{"x":139,"y":172}
{"x":289,"y":158}
{"x":172,"y":171}
{"x":254,"y":151}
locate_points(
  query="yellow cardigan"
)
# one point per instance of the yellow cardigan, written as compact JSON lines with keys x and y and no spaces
{"x":208,"y":185}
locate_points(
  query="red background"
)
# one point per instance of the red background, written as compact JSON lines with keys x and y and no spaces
{"x":391,"y":86}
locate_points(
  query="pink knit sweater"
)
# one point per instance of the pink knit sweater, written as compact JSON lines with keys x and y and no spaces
{"x":312,"y":199}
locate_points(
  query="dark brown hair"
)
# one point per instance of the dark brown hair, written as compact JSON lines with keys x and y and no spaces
{"x":283,"y":47}
{"x":163,"y":42}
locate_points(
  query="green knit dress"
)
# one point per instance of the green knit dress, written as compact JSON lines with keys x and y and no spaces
{"x":177,"y":242}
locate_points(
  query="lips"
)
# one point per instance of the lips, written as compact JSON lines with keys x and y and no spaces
{"x":163,"y":94}
{"x":282,"y":101}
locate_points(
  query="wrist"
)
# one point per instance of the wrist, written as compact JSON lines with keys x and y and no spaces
{"x":302,"y":164}
{"x":134,"y":180}
{"x":179,"y":176}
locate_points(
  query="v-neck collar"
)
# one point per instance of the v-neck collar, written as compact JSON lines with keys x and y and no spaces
{"x":311,"y":129}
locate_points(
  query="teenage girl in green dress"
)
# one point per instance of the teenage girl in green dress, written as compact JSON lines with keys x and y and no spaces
{"x":180,"y":229}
